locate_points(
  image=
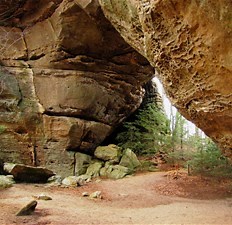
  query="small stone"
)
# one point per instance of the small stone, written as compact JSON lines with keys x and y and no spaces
{"x":6,"y":181}
{"x":98,"y":181}
{"x":96,"y":194}
{"x":123,"y":195}
{"x":43,"y":197}
{"x":71,"y":181}
{"x":85,"y":194}
{"x":28,"y":209}
{"x":88,"y":180}
{"x":55,"y":180}
{"x":75,"y":181}
{"x":85,"y":177}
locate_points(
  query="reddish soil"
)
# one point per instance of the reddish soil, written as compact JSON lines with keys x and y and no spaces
{"x":150,"y":198}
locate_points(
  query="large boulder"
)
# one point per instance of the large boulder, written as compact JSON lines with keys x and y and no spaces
{"x":110,"y":153}
{"x":94,"y":168}
{"x":129,"y":160}
{"x":82,"y":163}
{"x":28,"y":173}
{"x":114,"y":171}
{"x":189,"y":42}
{"x":67,"y":79}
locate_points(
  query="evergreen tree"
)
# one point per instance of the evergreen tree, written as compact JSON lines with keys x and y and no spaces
{"x":178,"y":132}
{"x":148,"y":133}
{"x":208,"y":160}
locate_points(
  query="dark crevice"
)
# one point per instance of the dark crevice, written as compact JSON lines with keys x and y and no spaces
{"x":93,"y":57}
{"x":34,"y":155}
{"x":21,"y":97}
{"x":87,"y":118}
{"x":36,"y":57}
{"x":67,"y":51}
{"x":74,"y":164}
{"x":189,"y":103}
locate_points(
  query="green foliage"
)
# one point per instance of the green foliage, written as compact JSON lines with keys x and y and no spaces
{"x":2,"y":129}
{"x":209,"y":161}
{"x":147,"y":165}
{"x":148,"y":134}
{"x":178,"y":157}
{"x":178,"y":131}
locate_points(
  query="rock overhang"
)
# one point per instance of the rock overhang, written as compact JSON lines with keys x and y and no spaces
{"x":76,"y":79}
{"x":189,"y":43}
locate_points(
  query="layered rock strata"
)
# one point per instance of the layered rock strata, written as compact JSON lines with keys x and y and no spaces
{"x":67,"y":79}
{"x":189,"y":42}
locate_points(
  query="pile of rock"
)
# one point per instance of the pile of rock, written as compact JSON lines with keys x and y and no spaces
{"x":112,"y":162}
{"x":108,"y":161}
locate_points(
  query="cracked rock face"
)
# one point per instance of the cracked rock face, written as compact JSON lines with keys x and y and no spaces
{"x":67,"y":79}
{"x":189,"y":42}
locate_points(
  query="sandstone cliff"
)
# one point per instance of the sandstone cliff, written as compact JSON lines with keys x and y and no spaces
{"x":67,"y":79}
{"x":190,"y":44}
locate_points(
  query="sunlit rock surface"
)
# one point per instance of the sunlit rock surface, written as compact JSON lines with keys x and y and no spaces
{"x":190,"y":43}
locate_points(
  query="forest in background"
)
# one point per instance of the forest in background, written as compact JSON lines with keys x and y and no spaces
{"x":156,"y":131}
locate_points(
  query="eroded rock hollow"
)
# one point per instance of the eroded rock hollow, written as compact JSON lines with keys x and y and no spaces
{"x":190,"y":43}
{"x":67,"y":79}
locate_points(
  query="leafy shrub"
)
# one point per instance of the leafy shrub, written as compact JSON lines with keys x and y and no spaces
{"x":178,"y":157}
{"x":209,"y":161}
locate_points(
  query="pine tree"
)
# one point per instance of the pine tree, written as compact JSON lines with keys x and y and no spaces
{"x":148,"y":133}
{"x":178,"y":131}
{"x":209,"y":161}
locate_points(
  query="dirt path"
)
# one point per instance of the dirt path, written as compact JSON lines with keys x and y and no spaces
{"x":149,"y":198}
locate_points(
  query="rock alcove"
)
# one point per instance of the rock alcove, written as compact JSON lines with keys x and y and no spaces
{"x":189,"y":42}
{"x":68,"y":78}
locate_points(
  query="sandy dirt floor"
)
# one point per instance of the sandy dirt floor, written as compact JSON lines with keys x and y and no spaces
{"x":148,"y":198}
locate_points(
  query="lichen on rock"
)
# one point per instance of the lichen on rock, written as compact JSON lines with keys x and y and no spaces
{"x":110,"y":153}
